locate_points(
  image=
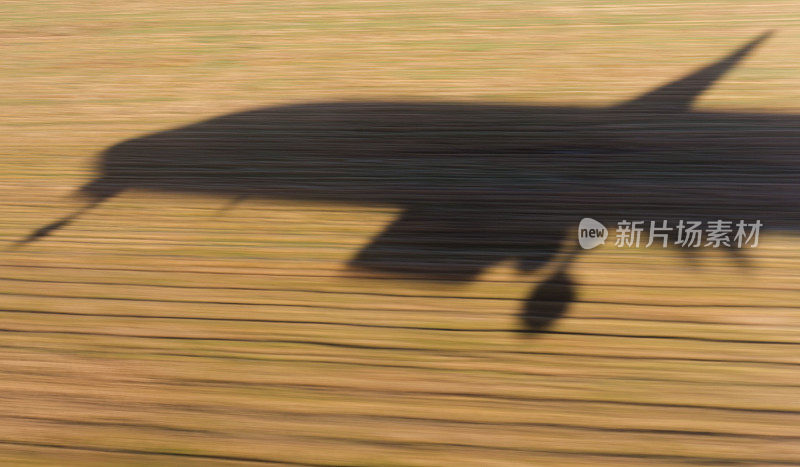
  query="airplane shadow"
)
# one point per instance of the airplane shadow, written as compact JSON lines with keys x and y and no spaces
{"x":481,"y":183}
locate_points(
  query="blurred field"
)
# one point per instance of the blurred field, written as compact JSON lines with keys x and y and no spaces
{"x":155,"y":331}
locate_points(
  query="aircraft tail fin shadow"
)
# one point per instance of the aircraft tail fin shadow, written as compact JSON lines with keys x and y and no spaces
{"x":680,"y":95}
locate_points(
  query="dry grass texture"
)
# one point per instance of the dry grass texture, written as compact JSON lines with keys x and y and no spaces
{"x":156,"y":331}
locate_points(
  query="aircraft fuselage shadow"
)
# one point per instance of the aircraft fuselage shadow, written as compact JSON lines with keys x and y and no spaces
{"x":481,"y":183}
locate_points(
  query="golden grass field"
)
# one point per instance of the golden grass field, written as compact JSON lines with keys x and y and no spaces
{"x":156,"y":330}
